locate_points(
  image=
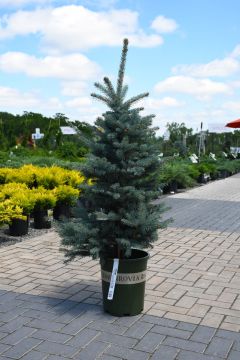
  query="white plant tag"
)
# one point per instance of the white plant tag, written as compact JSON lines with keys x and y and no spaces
{"x":113,"y":279}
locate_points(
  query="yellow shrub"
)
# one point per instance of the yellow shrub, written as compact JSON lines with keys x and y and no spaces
{"x":10,"y":211}
{"x":8,"y":190}
{"x":43,"y":198}
{"x":66,"y":194}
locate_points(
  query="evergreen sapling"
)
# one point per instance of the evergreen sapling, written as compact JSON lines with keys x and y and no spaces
{"x":119,"y":212}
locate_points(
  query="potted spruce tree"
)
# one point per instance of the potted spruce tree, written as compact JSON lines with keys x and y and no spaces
{"x":118,"y":218}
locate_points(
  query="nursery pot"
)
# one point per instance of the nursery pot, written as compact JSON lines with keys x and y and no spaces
{"x":18,"y":227}
{"x":223,"y":174}
{"x":173,"y":186}
{"x":201,"y":179}
{"x":61,"y":210}
{"x":128,"y":298}
{"x":41,"y":220}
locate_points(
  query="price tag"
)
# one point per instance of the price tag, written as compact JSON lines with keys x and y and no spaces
{"x":113,"y":279}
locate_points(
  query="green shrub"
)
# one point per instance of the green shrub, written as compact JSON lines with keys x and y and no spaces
{"x":178,"y":172}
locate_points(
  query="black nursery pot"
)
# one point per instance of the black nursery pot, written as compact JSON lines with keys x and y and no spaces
{"x":128,"y":298}
{"x":223,"y":174}
{"x":41,"y":220}
{"x":62,"y":210}
{"x":19,"y":227}
{"x":173,"y":186}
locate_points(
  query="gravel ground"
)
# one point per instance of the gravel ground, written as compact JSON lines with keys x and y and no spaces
{"x":6,"y":239}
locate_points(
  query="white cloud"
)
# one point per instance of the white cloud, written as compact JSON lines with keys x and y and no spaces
{"x":156,"y":104}
{"x":79,"y":102}
{"x":68,"y":67}
{"x":236,"y":52}
{"x":71,"y":28}
{"x":12,"y":99}
{"x":161,"y":24}
{"x":73,"y":88}
{"x":215,"y":68}
{"x":203,"y":89}
{"x":233,"y":106}
{"x":221,"y":68}
{"x":10,"y":96}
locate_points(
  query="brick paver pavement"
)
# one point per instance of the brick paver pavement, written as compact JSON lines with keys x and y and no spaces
{"x":52,"y":311}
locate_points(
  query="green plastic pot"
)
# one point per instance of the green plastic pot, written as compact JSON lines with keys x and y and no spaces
{"x":128,"y":298}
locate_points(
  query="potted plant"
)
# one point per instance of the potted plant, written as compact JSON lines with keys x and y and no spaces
{"x":121,"y":218}
{"x":44,"y":200}
{"x":174,"y":175}
{"x":66,"y":197}
{"x":18,"y":196}
{"x":204,"y":172}
{"x":12,"y":214}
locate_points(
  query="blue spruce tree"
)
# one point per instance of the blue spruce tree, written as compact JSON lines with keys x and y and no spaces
{"x":119,"y":212}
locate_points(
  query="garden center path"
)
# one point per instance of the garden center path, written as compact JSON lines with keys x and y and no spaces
{"x":49,"y":310}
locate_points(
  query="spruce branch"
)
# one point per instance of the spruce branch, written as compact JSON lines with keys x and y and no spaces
{"x":124,"y":91}
{"x":102,"y":98}
{"x":101,"y":88}
{"x":122,"y":67}
{"x":110,"y":87}
{"x":134,"y":99}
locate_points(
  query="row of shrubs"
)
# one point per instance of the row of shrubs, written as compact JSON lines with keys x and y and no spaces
{"x":32,"y":190}
{"x":178,"y":173}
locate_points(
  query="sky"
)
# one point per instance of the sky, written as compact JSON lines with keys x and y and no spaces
{"x":186,"y":53}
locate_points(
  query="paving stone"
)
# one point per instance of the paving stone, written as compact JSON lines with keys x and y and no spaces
{"x":150,"y":342}
{"x":111,"y":328}
{"x":108,"y":357}
{"x":127,"y":320}
{"x":45,"y":325}
{"x":182,"y":334}
{"x":186,"y":326}
{"x":7,"y":297}
{"x":197,"y":258}
{"x":189,"y":355}
{"x":138,"y":330}
{"x":228,"y":334}
{"x":159,"y":321}
{"x":185,"y":344}
{"x":18,"y":335}
{"x":118,"y":339}
{"x":76,"y":325}
{"x":3,"y":348}
{"x":59,"y":349}
{"x":22,"y":348}
{"x":92,"y":351}
{"x":83,"y":337}
{"x":44,"y":315}
{"x":203,"y":334}
{"x":35,"y":355}
{"x":165,"y":353}
{"x":51,"y":336}
{"x":15,"y":324}
{"x":219,"y":347}
{"x":63,"y":307}
{"x":233,"y":355}
{"x":12,"y":314}
{"x":125,"y":353}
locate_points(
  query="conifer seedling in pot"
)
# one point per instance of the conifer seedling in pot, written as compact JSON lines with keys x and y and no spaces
{"x":120,"y":218}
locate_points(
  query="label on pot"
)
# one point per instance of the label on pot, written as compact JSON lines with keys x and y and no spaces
{"x":125,"y":278}
{"x":113,"y":276}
